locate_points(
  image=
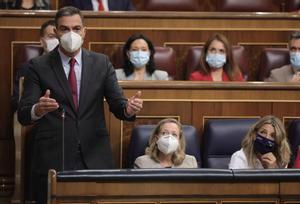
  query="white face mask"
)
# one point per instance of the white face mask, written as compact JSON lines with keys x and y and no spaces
{"x":139,"y":58}
{"x":167,"y":144}
{"x":216,"y":60}
{"x":51,"y":44}
{"x":71,"y":41}
{"x":295,"y":60}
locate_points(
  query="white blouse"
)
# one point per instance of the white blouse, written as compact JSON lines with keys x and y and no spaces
{"x":239,"y":161}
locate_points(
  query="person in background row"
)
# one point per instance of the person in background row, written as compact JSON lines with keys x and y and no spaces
{"x":69,"y":84}
{"x":289,"y":72}
{"x":139,"y":64}
{"x":48,"y":41}
{"x":264,"y":147}
{"x":217,"y":62}
{"x":31,"y":4}
{"x":297,"y":160}
{"x":166,"y":148}
{"x":101,"y":5}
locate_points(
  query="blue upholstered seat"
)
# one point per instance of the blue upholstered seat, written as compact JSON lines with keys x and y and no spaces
{"x":221,"y":138}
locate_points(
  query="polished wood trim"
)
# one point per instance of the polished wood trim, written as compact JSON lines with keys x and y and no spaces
{"x":137,"y":20}
{"x":175,"y":191}
{"x":184,"y":43}
{"x":202,"y":85}
{"x":159,"y":14}
{"x":205,"y":118}
{"x":152,"y":188}
{"x":91,"y":43}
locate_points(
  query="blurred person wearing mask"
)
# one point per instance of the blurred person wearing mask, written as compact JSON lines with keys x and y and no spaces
{"x":101,"y":5}
{"x":31,"y":4}
{"x":138,"y":53}
{"x":264,"y":147}
{"x":48,"y":41}
{"x":166,"y":148}
{"x":69,"y":84}
{"x":289,"y":72}
{"x":217,"y":62}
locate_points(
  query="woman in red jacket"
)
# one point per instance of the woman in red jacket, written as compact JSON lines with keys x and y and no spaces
{"x":216,"y":62}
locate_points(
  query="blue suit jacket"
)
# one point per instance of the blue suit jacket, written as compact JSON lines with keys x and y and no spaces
{"x":113,"y":5}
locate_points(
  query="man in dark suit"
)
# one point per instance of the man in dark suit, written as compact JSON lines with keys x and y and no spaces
{"x":70,"y":84}
{"x":109,"y":5}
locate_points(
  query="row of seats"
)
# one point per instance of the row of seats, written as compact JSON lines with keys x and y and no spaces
{"x":165,"y":59}
{"x":221,"y":138}
{"x":218,"y":5}
{"x":221,"y":5}
{"x":195,"y":5}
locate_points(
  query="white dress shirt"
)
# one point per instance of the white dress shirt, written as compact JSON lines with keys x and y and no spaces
{"x":239,"y":161}
{"x":77,"y":68}
{"x":96,"y":5}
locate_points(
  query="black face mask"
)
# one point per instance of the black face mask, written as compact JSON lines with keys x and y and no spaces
{"x":264,"y":145}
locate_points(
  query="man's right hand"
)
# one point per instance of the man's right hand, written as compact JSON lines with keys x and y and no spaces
{"x":45,"y":105}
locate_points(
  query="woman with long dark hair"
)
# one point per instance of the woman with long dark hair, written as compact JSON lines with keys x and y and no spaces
{"x":139,"y":64}
{"x":217,"y":62}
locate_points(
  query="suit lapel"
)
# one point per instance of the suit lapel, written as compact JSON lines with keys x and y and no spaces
{"x":87,"y":64}
{"x":57,"y":66}
{"x":111,"y":5}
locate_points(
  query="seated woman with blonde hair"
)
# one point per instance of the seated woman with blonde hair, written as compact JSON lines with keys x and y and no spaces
{"x":264,"y":147}
{"x":166,"y":148}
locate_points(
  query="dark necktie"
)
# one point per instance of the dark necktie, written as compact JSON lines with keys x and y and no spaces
{"x":73,"y":82}
{"x":100,"y":6}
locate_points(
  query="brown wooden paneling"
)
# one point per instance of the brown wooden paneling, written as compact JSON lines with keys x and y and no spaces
{"x":112,"y":49}
{"x":289,"y":188}
{"x":284,"y":110}
{"x":206,"y":110}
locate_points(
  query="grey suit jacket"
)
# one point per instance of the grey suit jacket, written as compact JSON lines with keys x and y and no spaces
{"x":157,"y":75}
{"x":145,"y":161}
{"x":282,"y":74}
{"x":85,"y":126}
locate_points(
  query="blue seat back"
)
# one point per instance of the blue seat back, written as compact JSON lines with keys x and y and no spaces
{"x":221,"y":138}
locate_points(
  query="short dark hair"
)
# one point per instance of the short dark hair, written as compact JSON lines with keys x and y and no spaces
{"x":45,"y":25}
{"x":295,"y":35}
{"x":67,"y":11}
{"x":128,"y":66}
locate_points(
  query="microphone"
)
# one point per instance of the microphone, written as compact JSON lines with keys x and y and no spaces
{"x":63,"y":116}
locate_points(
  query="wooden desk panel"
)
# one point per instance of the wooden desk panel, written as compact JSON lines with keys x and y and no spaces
{"x":120,"y":190}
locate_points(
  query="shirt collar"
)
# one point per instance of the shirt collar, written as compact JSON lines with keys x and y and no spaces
{"x":66,"y":59}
